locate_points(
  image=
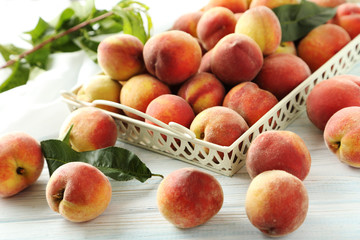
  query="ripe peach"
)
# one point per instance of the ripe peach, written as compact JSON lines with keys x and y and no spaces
{"x":249,"y":101}
{"x":236,"y":6}
{"x":92,"y":129}
{"x":286,"y":47}
{"x":219,"y":125}
{"x":101,"y":87}
{"x":214,"y":24}
{"x":262,"y":25}
{"x":276,"y":202}
{"x":348,"y":17}
{"x":121,"y":56}
{"x":201,"y":91}
{"x":328,"y":97}
{"x":170,"y":108}
{"x":281,"y":73}
{"x":236,"y":58}
{"x":188,"y":197}
{"x":272,"y":3}
{"x":205,"y":65}
{"x":341,"y":135}
{"x":321,"y":43}
{"x":172,"y":56}
{"x":188,"y":22}
{"x":21,"y":162}
{"x":139,"y":91}
{"x":328,"y":3}
{"x":78,"y":191}
{"x":289,"y":154}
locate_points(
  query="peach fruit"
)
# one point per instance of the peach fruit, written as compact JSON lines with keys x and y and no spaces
{"x":201,"y":91}
{"x":272,"y":3}
{"x":172,"y":56}
{"x":262,"y":25}
{"x":287,"y":47}
{"x":276,"y":202}
{"x":205,"y":65}
{"x":188,"y":197}
{"x":341,"y":135}
{"x":78,"y":191}
{"x":188,"y":22}
{"x":139,"y":91}
{"x":321,"y":43}
{"x":278,"y":150}
{"x":121,"y":56}
{"x":236,"y":58}
{"x":328,"y":3}
{"x":236,"y":6}
{"x":328,"y":97}
{"x":21,"y":162}
{"x":249,"y":101}
{"x":348,"y":17}
{"x":101,"y":87}
{"x":281,"y":73}
{"x":92,"y":129}
{"x":214,"y":24}
{"x":219,"y":125}
{"x":170,"y":108}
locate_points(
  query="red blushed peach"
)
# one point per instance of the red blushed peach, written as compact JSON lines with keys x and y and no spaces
{"x":262,"y":25}
{"x":188,"y":22}
{"x":341,"y":135}
{"x":219,"y":125}
{"x":170,"y":108}
{"x":348,"y":17}
{"x":272,"y":3}
{"x":328,"y":97}
{"x":172,"y":56}
{"x":214,"y":24}
{"x":281,"y":73}
{"x":205,"y":65}
{"x":236,"y":58}
{"x":92,"y":129}
{"x":139,"y":91}
{"x":201,"y":91}
{"x":321,"y":43}
{"x":188,"y":197}
{"x":276,"y":202}
{"x":78,"y":191}
{"x":278,"y":150}
{"x":121,"y":56}
{"x":249,"y":101}
{"x":236,"y":6}
{"x":328,"y":3}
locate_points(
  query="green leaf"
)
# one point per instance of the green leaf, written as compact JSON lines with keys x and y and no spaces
{"x":39,"y":30}
{"x":39,"y":58}
{"x":65,"y":16}
{"x":10,"y":50}
{"x":19,"y":76}
{"x":297,"y":20}
{"x":116,"y":163}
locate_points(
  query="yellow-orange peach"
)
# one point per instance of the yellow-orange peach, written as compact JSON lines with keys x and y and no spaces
{"x":272,"y":3}
{"x":139,"y":91}
{"x":92,"y":129}
{"x":214,"y":24}
{"x":348,"y":17}
{"x":249,"y":101}
{"x":286,"y":47}
{"x":276,"y":202}
{"x":289,"y":154}
{"x":328,"y":3}
{"x":281,"y":73}
{"x":188,"y":22}
{"x":236,"y":6}
{"x":321,"y":43}
{"x":236,"y":58}
{"x":262,"y":25}
{"x":172,"y":56}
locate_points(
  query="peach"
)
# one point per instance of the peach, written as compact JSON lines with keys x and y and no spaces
{"x":289,"y":154}
{"x":205,"y":65}
{"x":236,"y":6}
{"x":92,"y":129}
{"x":139,"y":91}
{"x":201,"y":91}
{"x":214,"y":24}
{"x":286,"y":47}
{"x":78,"y":191}
{"x":262,"y":25}
{"x":121,"y":56}
{"x":348,"y":17}
{"x":236,"y":58}
{"x":276,"y":202}
{"x":341,"y":135}
{"x":249,"y":101}
{"x":328,"y":97}
{"x":21,"y":162}
{"x":321,"y":43}
{"x":328,"y":3}
{"x":101,"y":87}
{"x":281,"y":73}
{"x":172,"y":56}
{"x":170,"y":108}
{"x":188,"y":22}
{"x":188,"y":197}
{"x":272,"y":3}
{"x":219,"y":125}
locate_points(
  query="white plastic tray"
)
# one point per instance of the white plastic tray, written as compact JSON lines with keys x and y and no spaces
{"x":180,"y":142}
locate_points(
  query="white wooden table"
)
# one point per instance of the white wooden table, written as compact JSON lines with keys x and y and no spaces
{"x":333,"y":187}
